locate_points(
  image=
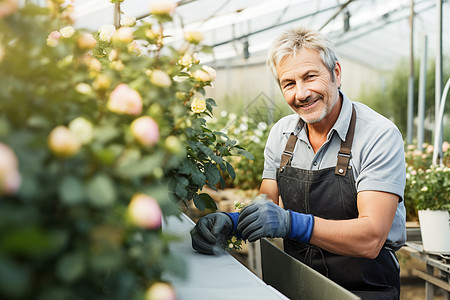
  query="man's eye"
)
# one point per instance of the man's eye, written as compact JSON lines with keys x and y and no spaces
{"x":288,"y":84}
{"x":309,"y":76}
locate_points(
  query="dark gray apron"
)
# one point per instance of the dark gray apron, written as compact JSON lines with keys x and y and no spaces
{"x":331,"y":194}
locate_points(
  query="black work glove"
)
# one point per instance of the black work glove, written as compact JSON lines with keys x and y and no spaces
{"x":210,"y":234}
{"x":263,"y":218}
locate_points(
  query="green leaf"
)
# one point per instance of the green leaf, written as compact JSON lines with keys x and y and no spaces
{"x":208,"y":200}
{"x":198,"y":178}
{"x":230,"y":143}
{"x":211,"y":101}
{"x":212,"y":173}
{"x":70,"y":267}
{"x":206,"y":150}
{"x":199,"y":203}
{"x":71,"y":190}
{"x":181,"y":187}
{"x":230,"y":170}
{"x":246,"y":154}
{"x":101,"y":191}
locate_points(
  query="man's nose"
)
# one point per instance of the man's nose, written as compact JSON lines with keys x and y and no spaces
{"x":302,"y":92}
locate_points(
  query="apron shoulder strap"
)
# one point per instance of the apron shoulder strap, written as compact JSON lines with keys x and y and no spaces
{"x":344,"y":153}
{"x":288,"y":151}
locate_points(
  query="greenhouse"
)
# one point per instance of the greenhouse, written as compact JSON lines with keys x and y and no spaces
{"x":198,"y":149}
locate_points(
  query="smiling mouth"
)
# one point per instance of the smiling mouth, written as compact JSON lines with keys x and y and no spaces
{"x":308,"y":103}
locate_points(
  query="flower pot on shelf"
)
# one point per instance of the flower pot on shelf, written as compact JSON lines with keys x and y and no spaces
{"x":435,"y":230}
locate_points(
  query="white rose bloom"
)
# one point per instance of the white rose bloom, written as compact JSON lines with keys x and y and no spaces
{"x":127,"y":21}
{"x":262,"y":126}
{"x":67,"y":31}
{"x":212,"y":73}
{"x":106,"y":32}
{"x":223,"y":113}
{"x":243,"y":127}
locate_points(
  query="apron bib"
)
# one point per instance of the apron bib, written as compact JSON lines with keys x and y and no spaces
{"x":331,"y":194}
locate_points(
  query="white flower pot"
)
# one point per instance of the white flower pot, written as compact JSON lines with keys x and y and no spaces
{"x":435,"y":230}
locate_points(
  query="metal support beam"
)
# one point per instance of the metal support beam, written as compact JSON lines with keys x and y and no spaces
{"x":410,"y":119}
{"x":438,"y":77}
{"x":422,"y":93}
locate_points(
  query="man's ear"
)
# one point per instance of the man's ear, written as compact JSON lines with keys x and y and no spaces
{"x":337,"y":73}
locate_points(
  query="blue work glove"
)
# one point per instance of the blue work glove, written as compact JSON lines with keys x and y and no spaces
{"x":210,"y":233}
{"x":263,"y":218}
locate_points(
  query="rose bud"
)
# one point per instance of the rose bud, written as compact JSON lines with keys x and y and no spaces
{"x":162,"y":7}
{"x":145,"y":130}
{"x":67,"y":32}
{"x":63,"y":142}
{"x":193,"y":37}
{"x":123,"y":35}
{"x":160,"y":291}
{"x":106,"y":32}
{"x":145,"y":212}
{"x":127,"y":21}
{"x":86,"y":41}
{"x":125,"y":100}
{"x":10,"y":178}
{"x":83,"y":130}
{"x":160,"y":78}
{"x":205,"y":74}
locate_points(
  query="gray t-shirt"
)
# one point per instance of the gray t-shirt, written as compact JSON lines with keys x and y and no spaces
{"x":378,"y":158}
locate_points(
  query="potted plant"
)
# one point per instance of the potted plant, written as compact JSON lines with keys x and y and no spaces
{"x":429,"y":189}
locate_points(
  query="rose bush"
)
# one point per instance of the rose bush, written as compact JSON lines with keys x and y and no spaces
{"x":252,"y":134}
{"x":98,"y":141}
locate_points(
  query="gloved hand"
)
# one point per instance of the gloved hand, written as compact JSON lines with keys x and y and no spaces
{"x":211,"y":231}
{"x":263,"y":218}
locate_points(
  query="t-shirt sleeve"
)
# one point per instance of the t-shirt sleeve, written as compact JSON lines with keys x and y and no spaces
{"x":270,"y":160}
{"x":383,"y":164}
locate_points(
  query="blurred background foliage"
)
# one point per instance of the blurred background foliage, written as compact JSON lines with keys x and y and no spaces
{"x":392,"y":100}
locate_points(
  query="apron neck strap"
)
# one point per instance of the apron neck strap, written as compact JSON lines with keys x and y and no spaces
{"x":344,"y":153}
{"x":288,"y":151}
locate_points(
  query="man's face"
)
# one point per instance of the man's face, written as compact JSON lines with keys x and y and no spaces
{"x":307,"y":85}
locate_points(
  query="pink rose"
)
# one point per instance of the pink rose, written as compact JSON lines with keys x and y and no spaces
{"x":145,"y":212}
{"x":63,"y":142}
{"x":53,"y":38}
{"x":145,"y":130}
{"x":125,"y":100}
{"x":10,"y":178}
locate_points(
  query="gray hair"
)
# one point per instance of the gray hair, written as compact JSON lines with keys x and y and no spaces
{"x":293,"y":40}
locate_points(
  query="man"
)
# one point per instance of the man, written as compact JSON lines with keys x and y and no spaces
{"x":339,"y":168}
